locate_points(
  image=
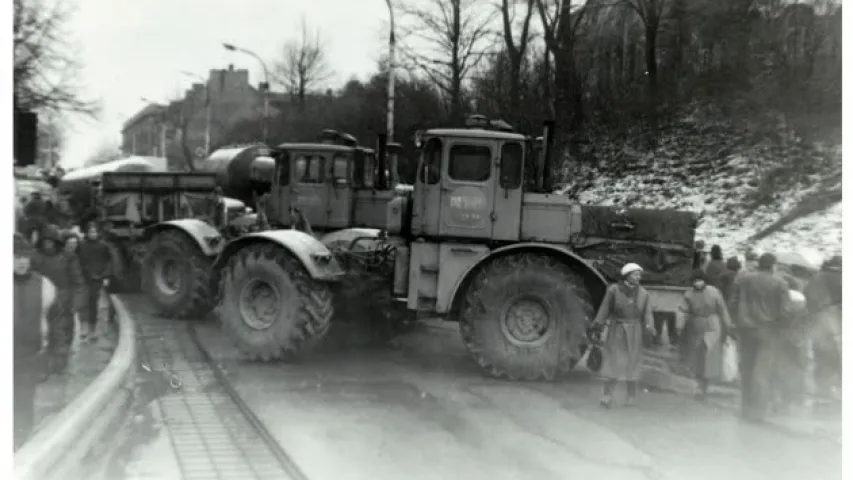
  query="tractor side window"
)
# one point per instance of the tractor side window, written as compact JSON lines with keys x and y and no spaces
{"x":511,"y":163}
{"x":301,"y":168}
{"x":431,"y":168}
{"x":284,"y":170}
{"x":340,"y":167}
{"x":369,"y":170}
{"x":309,"y":168}
{"x":470,"y":163}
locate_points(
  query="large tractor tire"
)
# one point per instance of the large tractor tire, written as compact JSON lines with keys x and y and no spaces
{"x":521,"y":314}
{"x":270,"y":306}
{"x":176,"y":276}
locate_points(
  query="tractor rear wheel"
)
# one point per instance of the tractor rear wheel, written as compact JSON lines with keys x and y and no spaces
{"x":270,"y":306}
{"x":524,"y":316}
{"x":176,"y":276}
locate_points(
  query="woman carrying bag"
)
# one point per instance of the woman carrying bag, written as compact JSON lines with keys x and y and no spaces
{"x":708,"y":320}
{"x":626,"y":311}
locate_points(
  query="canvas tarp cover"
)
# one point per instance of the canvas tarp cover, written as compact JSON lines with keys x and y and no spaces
{"x":667,"y":226}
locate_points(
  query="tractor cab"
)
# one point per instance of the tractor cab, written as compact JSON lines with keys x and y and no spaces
{"x":470,"y":181}
{"x":335,"y":183}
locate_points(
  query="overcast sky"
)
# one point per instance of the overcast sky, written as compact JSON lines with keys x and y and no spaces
{"x":138,"y":48}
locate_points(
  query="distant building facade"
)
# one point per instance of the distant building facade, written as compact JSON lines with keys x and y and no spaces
{"x":179,"y":128}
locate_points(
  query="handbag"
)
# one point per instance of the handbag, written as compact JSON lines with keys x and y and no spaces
{"x":730,"y":361}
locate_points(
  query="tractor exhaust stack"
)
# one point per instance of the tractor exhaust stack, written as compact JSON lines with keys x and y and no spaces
{"x":547,"y":164}
{"x":381,"y":161}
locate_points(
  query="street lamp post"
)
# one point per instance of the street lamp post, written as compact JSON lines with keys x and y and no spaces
{"x":206,"y":113}
{"x":392,"y":44}
{"x":265,"y":87}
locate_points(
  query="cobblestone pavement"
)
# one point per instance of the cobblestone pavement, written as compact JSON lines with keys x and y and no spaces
{"x":421,"y":409}
{"x":87,"y":361}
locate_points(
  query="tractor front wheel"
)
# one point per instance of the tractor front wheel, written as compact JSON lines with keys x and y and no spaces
{"x":523,"y":317}
{"x":176,"y":276}
{"x":270,"y":306}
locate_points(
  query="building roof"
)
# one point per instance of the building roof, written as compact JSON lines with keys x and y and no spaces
{"x":147,"y":111}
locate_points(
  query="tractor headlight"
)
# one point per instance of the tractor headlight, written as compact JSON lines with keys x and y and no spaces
{"x":321,"y":258}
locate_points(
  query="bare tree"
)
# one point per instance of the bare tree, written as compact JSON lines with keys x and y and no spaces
{"x":303,"y":64}
{"x":45,"y":70}
{"x":456,"y":36}
{"x":651,"y":13}
{"x":517,"y":51}
{"x":560,"y":21}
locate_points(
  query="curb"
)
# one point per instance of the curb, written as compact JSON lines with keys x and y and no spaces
{"x":78,"y":435}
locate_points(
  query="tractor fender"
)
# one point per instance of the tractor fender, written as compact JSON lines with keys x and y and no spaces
{"x":208,"y":239}
{"x":314,"y":256}
{"x":596,"y":283}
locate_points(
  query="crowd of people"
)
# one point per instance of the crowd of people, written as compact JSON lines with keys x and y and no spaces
{"x":59,"y":274}
{"x":783,"y":319}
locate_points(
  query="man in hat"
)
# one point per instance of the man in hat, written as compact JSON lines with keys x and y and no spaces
{"x":63,"y":270}
{"x":760,"y":302}
{"x":34,"y":296}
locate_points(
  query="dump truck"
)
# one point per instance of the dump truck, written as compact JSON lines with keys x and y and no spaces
{"x":479,"y":239}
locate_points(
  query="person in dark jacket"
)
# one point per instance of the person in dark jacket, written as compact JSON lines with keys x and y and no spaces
{"x":823,"y":301}
{"x":760,"y":301}
{"x":34,"y":295}
{"x":699,"y":255}
{"x":63,"y":270}
{"x":716,"y":268}
{"x":732,"y":269}
{"x":96,"y":260}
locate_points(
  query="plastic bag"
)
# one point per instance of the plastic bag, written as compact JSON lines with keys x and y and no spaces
{"x":730,"y":361}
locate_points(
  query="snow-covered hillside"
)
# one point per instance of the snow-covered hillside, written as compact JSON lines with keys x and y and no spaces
{"x":741,"y":183}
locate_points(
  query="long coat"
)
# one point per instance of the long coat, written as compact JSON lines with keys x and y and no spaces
{"x":706,"y":313}
{"x":627,"y":311}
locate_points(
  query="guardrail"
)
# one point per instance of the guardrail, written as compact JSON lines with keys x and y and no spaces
{"x":66,"y":447}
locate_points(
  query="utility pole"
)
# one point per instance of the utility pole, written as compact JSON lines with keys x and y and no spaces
{"x":392,"y":43}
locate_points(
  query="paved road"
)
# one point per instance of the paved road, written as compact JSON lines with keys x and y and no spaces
{"x":423,"y":411}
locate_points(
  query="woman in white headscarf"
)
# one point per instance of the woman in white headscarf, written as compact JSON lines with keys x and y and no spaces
{"x":627,"y":312}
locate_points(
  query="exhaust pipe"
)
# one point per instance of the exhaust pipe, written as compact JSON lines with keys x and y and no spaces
{"x":381,"y":162}
{"x":547,"y":164}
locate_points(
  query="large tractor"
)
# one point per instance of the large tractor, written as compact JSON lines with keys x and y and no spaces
{"x":520,"y":268}
{"x":130,"y":203}
{"x":330,"y":185}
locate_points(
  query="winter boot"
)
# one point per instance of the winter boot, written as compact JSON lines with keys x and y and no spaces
{"x":607,"y":397}
{"x":632,"y":394}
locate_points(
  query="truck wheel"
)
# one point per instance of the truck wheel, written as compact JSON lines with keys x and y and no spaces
{"x":176,"y":276}
{"x":270,"y":306}
{"x":524,"y":316}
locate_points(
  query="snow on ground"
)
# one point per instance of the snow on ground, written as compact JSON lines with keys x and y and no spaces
{"x":684,"y":174}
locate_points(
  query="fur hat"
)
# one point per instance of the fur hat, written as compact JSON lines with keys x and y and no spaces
{"x":630,"y":268}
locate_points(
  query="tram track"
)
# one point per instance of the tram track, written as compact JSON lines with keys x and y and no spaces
{"x":211,"y":430}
